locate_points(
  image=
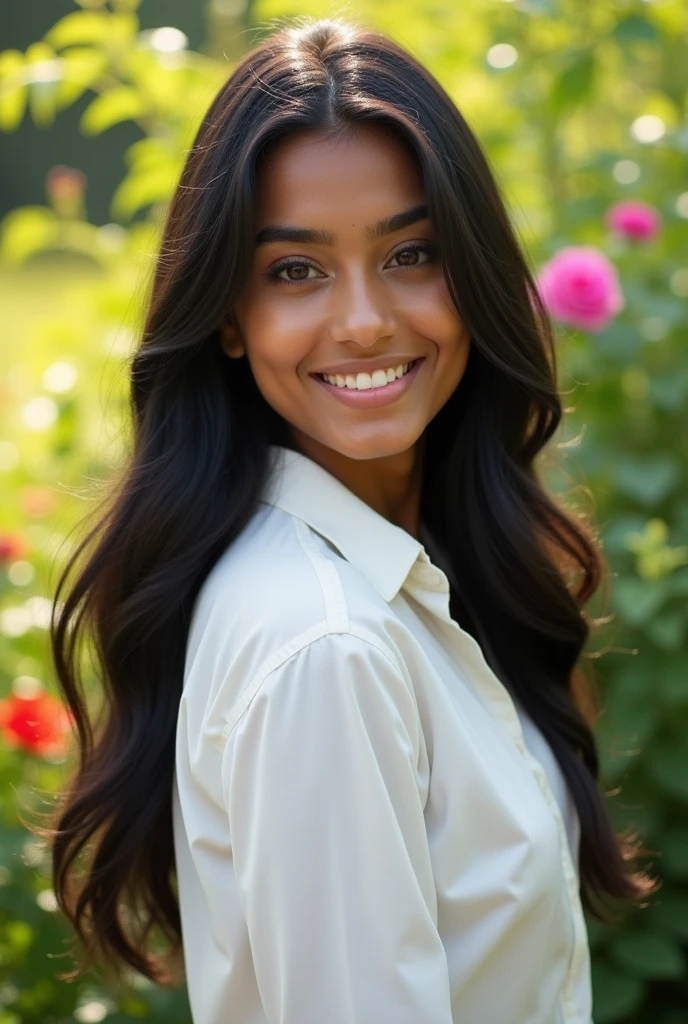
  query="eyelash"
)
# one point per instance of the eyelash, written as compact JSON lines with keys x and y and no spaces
{"x":273,"y":273}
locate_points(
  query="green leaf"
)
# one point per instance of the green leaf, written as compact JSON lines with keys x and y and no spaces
{"x":673,"y":680}
{"x":140,"y":190}
{"x":649,"y":479}
{"x":629,"y":719}
{"x":19,"y":935}
{"x":648,"y":954}
{"x":44,"y":73}
{"x":79,"y":27}
{"x":615,"y":994}
{"x":637,"y":600}
{"x":668,"y":764}
{"x":26,"y":231}
{"x":679,"y":583}
{"x":82,"y":68}
{"x":13,"y":92}
{"x":668,"y":629}
{"x":670,"y":390}
{"x":145,"y":154}
{"x":574,"y":84}
{"x":541,"y":6}
{"x":114,"y":106}
{"x":615,"y":533}
{"x":635,"y":29}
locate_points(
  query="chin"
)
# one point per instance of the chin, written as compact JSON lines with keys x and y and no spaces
{"x":373,"y":448}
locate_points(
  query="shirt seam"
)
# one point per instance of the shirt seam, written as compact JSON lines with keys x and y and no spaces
{"x":294,"y":646}
{"x":336,"y":607}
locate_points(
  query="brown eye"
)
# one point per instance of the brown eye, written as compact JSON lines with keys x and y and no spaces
{"x":297,"y":272}
{"x":300,"y":267}
{"x":409,"y":257}
{"x":404,"y":255}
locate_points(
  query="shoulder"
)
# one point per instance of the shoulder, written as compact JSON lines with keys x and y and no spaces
{"x":336,"y":680}
{"x":276,"y":590}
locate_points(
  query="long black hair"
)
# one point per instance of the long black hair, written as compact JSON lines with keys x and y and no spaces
{"x":200,"y":457}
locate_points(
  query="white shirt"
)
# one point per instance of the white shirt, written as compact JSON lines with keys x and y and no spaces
{"x":365,"y":830}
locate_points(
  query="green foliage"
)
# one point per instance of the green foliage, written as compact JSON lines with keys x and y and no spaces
{"x":562,"y":121}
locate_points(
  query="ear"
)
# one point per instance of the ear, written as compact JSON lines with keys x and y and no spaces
{"x":231,"y":341}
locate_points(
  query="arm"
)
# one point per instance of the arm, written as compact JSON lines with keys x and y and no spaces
{"x":329,"y":842}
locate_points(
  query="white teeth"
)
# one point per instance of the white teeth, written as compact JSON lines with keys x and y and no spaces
{"x":367,"y":381}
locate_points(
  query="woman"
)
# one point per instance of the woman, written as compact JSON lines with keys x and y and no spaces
{"x":342,"y":755}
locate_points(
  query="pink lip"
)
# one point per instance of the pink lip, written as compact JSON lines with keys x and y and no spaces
{"x":373,"y":397}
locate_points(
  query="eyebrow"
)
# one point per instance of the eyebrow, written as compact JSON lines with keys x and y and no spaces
{"x":386,"y":226}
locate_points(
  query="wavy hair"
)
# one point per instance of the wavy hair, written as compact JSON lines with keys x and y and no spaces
{"x":199,"y":460}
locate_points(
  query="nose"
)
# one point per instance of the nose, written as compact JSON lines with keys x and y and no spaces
{"x":362,"y":312}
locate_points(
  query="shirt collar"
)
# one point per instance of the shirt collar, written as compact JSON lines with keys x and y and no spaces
{"x":304,"y":489}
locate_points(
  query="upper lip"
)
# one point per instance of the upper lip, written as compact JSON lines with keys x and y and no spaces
{"x":367,"y":365}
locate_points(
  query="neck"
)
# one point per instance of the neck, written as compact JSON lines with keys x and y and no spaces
{"x":391,"y":485}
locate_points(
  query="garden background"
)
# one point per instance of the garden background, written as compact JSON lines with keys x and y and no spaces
{"x":581,"y":106}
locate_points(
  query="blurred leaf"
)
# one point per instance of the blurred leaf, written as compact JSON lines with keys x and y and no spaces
{"x":44,"y":73}
{"x":668,"y":629}
{"x":615,"y":994}
{"x":629,"y":719}
{"x":647,"y":479}
{"x":669,"y":391}
{"x":26,"y":231}
{"x":674,"y":683}
{"x":635,"y":29}
{"x":82,"y":68}
{"x":679,"y":583}
{"x":120,"y":104}
{"x":541,"y":6}
{"x":619,"y":341}
{"x":648,"y":954}
{"x":616,"y":532}
{"x":574,"y":84}
{"x":656,"y":558}
{"x":13,"y":92}
{"x":140,"y":190}
{"x":79,"y":27}
{"x":637,"y":599}
{"x":19,"y":935}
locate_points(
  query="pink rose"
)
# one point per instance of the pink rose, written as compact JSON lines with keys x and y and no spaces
{"x":579,"y":286}
{"x":634,"y":219}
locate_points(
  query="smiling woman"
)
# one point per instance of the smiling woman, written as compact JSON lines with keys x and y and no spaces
{"x":371,"y":296}
{"x":343,"y":763}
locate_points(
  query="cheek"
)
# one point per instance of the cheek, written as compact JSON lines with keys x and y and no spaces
{"x":278,"y":335}
{"x":429,"y":312}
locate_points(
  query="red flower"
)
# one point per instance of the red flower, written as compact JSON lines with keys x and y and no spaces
{"x":40,"y":724}
{"x":12,"y":546}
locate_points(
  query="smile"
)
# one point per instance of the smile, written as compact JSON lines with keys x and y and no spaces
{"x":374,"y":391}
{"x":366,"y":381}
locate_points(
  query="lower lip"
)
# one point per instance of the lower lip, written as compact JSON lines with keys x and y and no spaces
{"x":372,"y":397}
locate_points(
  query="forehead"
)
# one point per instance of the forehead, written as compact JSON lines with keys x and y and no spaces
{"x":368,"y":171}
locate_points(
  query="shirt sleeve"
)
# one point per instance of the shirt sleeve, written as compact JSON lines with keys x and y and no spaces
{"x":329,"y":844}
